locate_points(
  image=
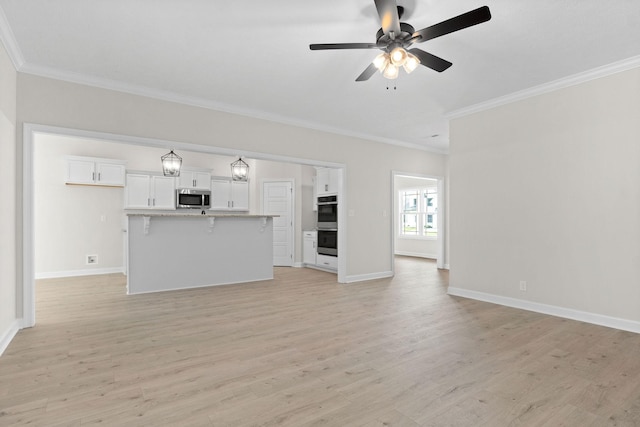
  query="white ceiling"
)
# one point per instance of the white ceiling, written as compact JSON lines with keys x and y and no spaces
{"x":252,"y":57}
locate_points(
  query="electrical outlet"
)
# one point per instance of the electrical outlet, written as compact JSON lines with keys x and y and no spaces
{"x":92,"y":259}
{"x":523,"y":285}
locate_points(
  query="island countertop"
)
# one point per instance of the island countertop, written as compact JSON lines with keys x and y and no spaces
{"x":198,"y":215}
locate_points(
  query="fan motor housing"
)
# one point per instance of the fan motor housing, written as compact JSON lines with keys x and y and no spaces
{"x":384,"y":41}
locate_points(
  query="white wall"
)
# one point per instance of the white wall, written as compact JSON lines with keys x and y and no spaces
{"x":411,"y":246}
{"x":8,"y":265}
{"x":53,"y":102}
{"x":73,"y":221}
{"x":547,"y":190}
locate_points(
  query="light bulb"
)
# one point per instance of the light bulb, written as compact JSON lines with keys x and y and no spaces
{"x":398,"y":56}
{"x":411,"y":63}
{"x":381,"y":61}
{"x":390,"y":72}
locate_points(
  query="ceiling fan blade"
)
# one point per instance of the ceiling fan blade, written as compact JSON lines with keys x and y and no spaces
{"x":367,"y":73}
{"x":329,"y":46}
{"x":389,"y":20}
{"x":431,"y":61}
{"x":469,"y":19}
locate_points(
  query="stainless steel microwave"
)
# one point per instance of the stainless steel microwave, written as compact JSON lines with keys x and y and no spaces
{"x":187,"y":198}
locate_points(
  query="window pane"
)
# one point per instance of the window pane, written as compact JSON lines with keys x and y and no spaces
{"x":409,"y":201}
{"x":409,"y":224}
{"x":431,"y":225}
{"x":431,"y":219}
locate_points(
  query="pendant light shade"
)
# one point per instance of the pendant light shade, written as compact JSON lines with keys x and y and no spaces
{"x":239,"y":170}
{"x":171,"y":164}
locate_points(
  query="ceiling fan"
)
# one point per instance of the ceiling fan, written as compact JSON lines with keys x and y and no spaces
{"x":395,"y":39}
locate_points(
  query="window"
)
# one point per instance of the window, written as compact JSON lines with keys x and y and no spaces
{"x":419,"y":212}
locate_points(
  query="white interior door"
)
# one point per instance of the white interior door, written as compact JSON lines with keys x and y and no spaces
{"x":277,"y":199}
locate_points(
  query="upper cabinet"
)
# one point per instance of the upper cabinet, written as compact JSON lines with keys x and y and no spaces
{"x":144,"y":191}
{"x":328,"y":181}
{"x":194,"y":179}
{"x":95,"y":171}
{"x":228,"y":195}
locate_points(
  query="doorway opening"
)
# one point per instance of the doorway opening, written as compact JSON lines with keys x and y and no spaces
{"x":418,"y":226}
{"x":34,"y":131}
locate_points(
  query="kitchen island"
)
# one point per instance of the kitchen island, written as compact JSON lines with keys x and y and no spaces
{"x":168,"y":251}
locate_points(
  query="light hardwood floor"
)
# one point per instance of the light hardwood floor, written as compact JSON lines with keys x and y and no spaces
{"x":303,"y":350}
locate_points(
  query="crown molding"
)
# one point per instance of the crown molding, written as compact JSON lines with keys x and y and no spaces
{"x":606,"y":70}
{"x":208,"y":104}
{"x":9,"y":41}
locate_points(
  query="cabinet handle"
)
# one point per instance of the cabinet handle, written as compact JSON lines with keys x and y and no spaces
{"x":148,"y":202}
{"x":326,"y":187}
{"x":93,"y":176}
{"x":99,"y":176}
{"x":154,"y":202}
{"x":194,"y":182}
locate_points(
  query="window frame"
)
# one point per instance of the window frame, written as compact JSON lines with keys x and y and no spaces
{"x":422,"y":212}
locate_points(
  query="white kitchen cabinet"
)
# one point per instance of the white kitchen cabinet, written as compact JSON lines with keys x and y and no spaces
{"x":194,"y":179}
{"x":309,"y":247}
{"x":150,"y":192}
{"x":228,"y":195}
{"x":328,"y":181}
{"x":240,"y":195}
{"x":327,"y":261}
{"x":95,"y":171}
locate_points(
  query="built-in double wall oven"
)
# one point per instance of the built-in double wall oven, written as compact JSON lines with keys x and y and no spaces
{"x":328,"y":225}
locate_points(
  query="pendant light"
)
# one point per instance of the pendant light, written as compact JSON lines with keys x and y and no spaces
{"x":171,"y":164}
{"x":239,"y":170}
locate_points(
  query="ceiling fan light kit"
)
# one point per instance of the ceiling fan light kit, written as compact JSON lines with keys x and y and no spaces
{"x":395,"y":39}
{"x":389,"y":63}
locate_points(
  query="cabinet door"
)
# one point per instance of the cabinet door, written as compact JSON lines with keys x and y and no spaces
{"x":202,"y":180}
{"x":309,"y":251}
{"x":137,"y":195}
{"x":164,"y":192}
{"x":240,"y":195}
{"x":191,"y":179}
{"x":220,"y":194}
{"x":185,"y":180}
{"x":110,"y":174}
{"x":334,"y":180}
{"x":80,"y":172}
{"x":322,"y":181}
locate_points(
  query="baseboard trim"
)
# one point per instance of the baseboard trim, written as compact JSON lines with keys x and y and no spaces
{"x":416,"y":254}
{"x":369,"y":276}
{"x":552,"y":310}
{"x":263,"y":279}
{"x":75,"y":273}
{"x":8,"y":335}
